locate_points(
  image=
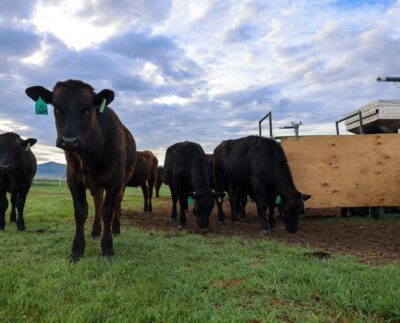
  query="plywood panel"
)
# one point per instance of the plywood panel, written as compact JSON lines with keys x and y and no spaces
{"x":341,"y":171}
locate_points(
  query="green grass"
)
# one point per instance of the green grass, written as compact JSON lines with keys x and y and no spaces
{"x":164,"y":277}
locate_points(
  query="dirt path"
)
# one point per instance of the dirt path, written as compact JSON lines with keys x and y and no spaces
{"x":377,"y":243}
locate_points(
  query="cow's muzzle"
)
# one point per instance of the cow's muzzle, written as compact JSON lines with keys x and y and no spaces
{"x":68,"y":142}
{"x":6,"y":167}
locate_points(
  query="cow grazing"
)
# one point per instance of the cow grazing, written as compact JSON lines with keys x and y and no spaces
{"x":257,"y":165}
{"x":17,"y":169}
{"x":186,"y":173}
{"x":159,"y":180}
{"x":100,"y":154}
{"x":145,"y":176}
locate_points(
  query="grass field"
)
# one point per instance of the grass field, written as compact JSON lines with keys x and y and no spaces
{"x":176,"y":277}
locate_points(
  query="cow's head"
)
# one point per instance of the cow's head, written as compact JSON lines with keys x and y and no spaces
{"x":204,"y":205}
{"x":12,"y":148}
{"x":75,"y":109}
{"x":292,"y":207}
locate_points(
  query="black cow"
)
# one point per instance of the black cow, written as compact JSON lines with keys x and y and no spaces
{"x":159,"y":180}
{"x":100,"y":154}
{"x":145,"y":176}
{"x":17,"y":169}
{"x":186,"y":173}
{"x":257,"y":165}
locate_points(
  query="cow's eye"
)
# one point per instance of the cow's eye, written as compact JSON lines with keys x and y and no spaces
{"x":57,"y":110}
{"x":86,"y":111}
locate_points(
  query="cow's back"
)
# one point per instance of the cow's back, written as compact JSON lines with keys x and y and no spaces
{"x":131,"y":154}
{"x":250,"y":158}
{"x":145,"y":168}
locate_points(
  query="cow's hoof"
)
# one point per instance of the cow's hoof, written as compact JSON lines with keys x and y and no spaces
{"x":221,"y":221}
{"x":21,"y":228}
{"x":12,"y":219}
{"x":116,"y":232}
{"x":2,"y":228}
{"x":75,"y":256}
{"x":173,"y":219}
{"x":264,"y":232}
{"x":107,"y":252}
{"x":181,"y":226}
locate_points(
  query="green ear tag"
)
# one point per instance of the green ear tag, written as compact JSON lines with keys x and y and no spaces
{"x":278,"y":200}
{"x":190,"y":200}
{"x":41,"y":106}
{"x":102,"y":106}
{"x":28,"y":146}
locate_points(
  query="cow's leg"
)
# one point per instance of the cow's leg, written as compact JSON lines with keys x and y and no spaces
{"x":78,"y":192}
{"x":221,"y":215}
{"x":157,"y":188}
{"x":116,"y":222}
{"x":174,"y":201}
{"x":145,"y":191}
{"x":13,"y":214}
{"x":262,"y":204}
{"x":3,"y":209}
{"x":234,"y":202}
{"x":98,"y":202}
{"x":242,"y":202}
{"x":150,"y":186}
{"x":271,"y":216}
{"x":182,"y":207}
{"x":110,"y":204}
{"x":262,"y":213}
{"x":20,"y":204}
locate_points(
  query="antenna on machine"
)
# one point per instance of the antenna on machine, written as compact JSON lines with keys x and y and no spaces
{"x":295,"y":126}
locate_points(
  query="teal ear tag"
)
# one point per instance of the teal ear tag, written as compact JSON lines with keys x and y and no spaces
{"x":41,"y":106}
{"x":102,"y":106}
{"x":278,"y":200}
{"x":190,"y":200}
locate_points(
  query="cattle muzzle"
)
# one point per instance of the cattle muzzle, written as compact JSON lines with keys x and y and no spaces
{"x":69,"y":143}
{"x":6,"y":167}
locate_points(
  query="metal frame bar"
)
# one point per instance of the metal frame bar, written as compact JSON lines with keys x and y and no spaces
{"x":357,"y":113}
{"x":351,"y":116}
{"x":268,"y":115}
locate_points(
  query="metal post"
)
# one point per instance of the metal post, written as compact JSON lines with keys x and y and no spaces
{"x":270,"y":125}
{"x":361,"y":123}
{"x":268,"y":115}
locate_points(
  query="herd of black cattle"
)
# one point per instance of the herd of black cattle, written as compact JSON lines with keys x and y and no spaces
{"x":101,"y":156}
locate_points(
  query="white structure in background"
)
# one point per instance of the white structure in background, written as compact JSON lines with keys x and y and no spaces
{"x":381,"y":116}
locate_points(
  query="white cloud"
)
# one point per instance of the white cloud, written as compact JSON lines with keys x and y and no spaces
{"x":201,"y":70}
{"x":8,"y":125}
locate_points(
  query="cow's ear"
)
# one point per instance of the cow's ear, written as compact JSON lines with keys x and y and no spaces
{"x":28,"y":143}
{"x":35,"y":91}
{"x":106,"y":94}
{"x":306,"y":197}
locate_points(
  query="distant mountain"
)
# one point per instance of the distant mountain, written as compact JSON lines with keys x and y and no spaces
{"x":51,"y":170}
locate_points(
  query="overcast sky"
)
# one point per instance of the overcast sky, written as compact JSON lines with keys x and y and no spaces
{"x":199,"y":70}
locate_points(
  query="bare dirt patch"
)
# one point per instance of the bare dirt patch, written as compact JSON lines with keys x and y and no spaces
{"x":376,"y":242}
